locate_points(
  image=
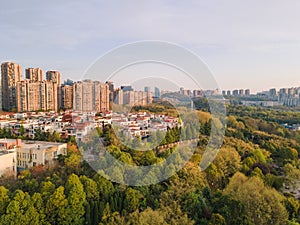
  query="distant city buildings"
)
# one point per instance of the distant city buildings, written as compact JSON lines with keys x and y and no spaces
{"x":247,"y":92}
{"x":136,"y":98}
{"x":34,"y":93}
{"x":126,"y":88}
{"x":29,"y":94}
{"x":111,"y":90}
{"x":156,"y":92}
{"x":147,"y":89}
{"x":289,"y":96}
{"x":196,"y":93}
{"x":118,"y":96}
{"x":237,"y":92}
{"x":270,"y":98}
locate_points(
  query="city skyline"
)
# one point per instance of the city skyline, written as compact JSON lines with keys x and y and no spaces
{"x":37,"y":74}
{"x":249,"y":44}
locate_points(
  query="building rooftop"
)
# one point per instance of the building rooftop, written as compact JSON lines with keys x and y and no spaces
{"x":5,"y":152}
{"x":28,"y":144}
{"x":5,"y":140}
{"x":40,"y":145}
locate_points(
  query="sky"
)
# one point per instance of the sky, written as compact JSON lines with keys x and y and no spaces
{"x":245,"y":44}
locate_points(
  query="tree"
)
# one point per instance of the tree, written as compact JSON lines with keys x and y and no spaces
{"x":13,"y":214}
{"x":47,"y":189}
{"x":150,"y":217}
{"x":90,"y":188}
{"x":38,"y":204}
{"x":56,"y":207}
{"x":132,"y":200}
{"x":73,"y":161}
{"x":188,"y":132}
{"x":22,"y":131}
{"x":76,"y":199}
{"x":215,"y":177}
{"x":38,"y":134}
{"x":263,"y":204}
{"x":4,"y":199}
{"x":217,"y":219}
{"x":105,"y":187}
{"x":21,"y":211}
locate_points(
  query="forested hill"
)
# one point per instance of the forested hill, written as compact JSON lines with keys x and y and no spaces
{"x":253,"y":180}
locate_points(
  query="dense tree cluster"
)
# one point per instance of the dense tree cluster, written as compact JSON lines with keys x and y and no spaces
{"x":39,"y":135}
{"x":253,"y":180}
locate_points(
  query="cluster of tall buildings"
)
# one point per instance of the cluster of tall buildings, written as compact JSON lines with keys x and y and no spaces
{"x":127,"y":96}
{"x":36,"y":93}
{"x":198,"y":93}
{"x":32,"y":93}
{"x":239,"y":92}
{"x":91,"y":96}
{"x":272,"y":97}
{"x":285,"y":96}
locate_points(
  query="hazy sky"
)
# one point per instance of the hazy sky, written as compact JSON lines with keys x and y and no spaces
{"x":247,"y":44}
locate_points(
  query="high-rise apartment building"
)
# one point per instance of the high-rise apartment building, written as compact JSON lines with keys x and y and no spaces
{"x":33,"y":96}
{"x":0,"y":97}
{"x":28,"y":96}
{"x":48,"y":97}
{"x":34,"y":93}
{"x":111,"y":88}
{"x":136,"y":98}
{"x":53,"y":76}
{"x":90,"y":96}
{"x":127,"y":88}
{"x":34,"y":74}
{"x":118,"y":97}
{"x":273,"y":92}
{"x":147,"y":89}
{"x":11,"y":74}
{"x":21,"y":90}
{"x":247,"y":92}
{"x":156,"y":92}
{"x":101,"y":96}
{"x":66,"y":97}
{"x":235,"y":92}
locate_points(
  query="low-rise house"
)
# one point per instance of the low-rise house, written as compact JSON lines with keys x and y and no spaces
{"x":34,"y":153}
{"x":8,"y":159}
{"x":8,"y":156}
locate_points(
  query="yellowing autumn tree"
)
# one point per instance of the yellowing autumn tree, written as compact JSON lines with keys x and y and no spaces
{"x":264,"y":205}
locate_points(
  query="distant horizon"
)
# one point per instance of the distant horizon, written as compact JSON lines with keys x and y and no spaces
{"x":118,"y":84}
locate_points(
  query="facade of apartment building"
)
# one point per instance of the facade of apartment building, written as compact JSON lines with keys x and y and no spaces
{"x":90,"y":96}
{"x":11,"y":74}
